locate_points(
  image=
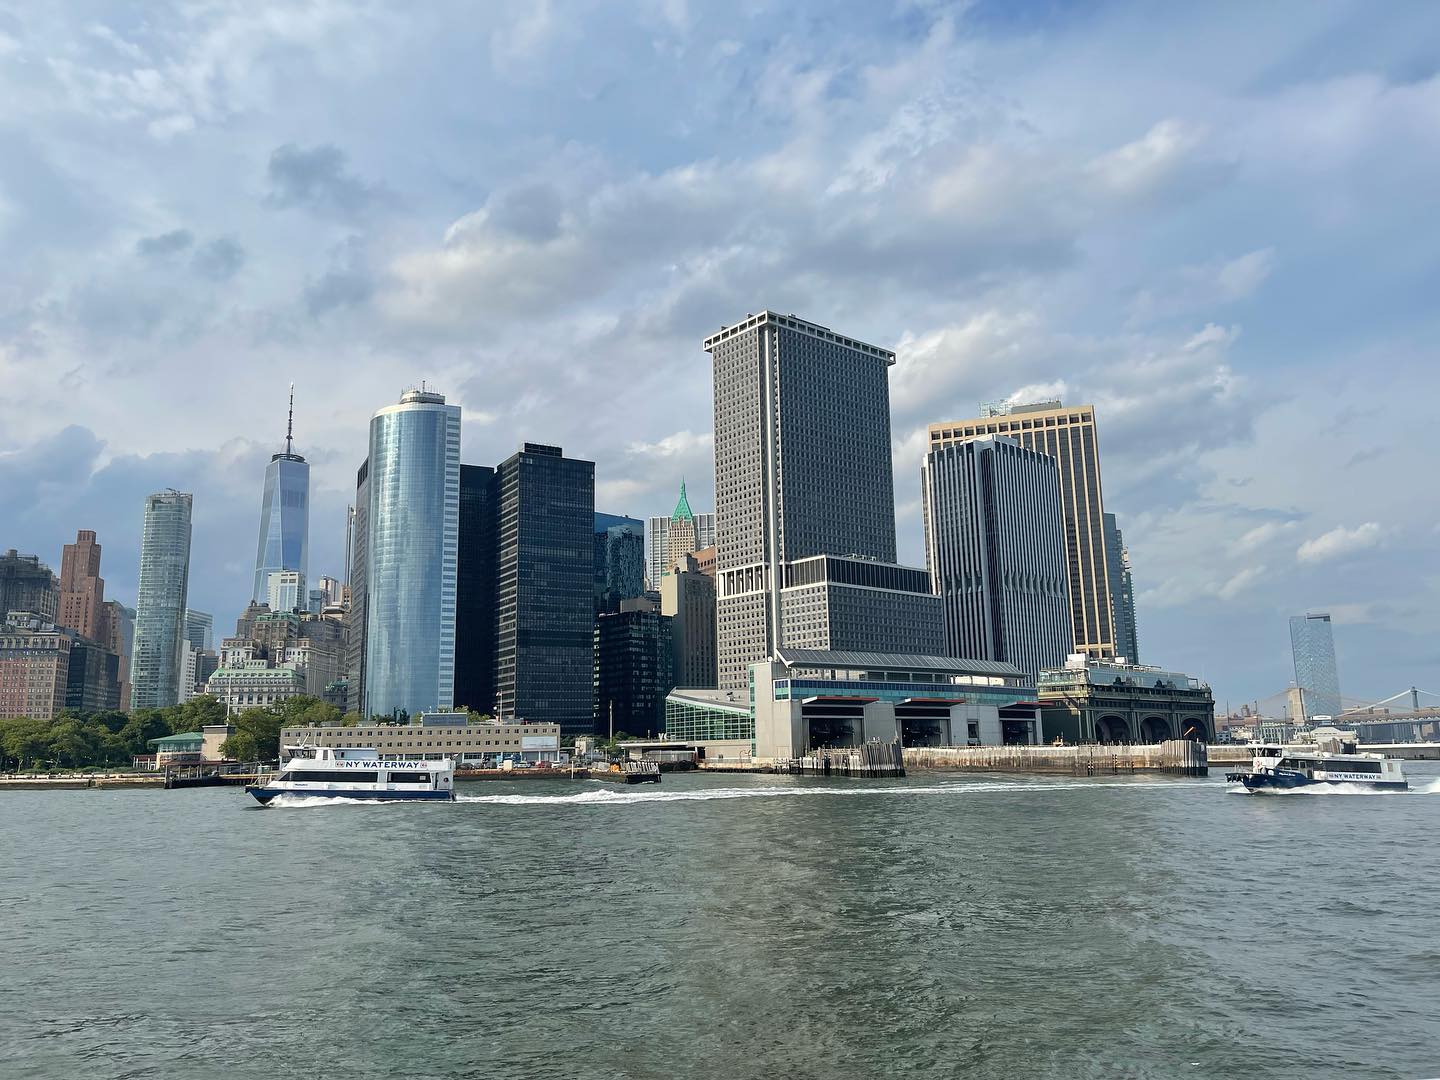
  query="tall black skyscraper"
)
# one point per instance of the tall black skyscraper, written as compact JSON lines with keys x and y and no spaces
{"x":544,"y":583}
{"x":619,"y":560}
{"x":475,"y":617}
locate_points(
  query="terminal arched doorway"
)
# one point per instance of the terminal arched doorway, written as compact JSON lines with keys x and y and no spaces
{"x":1112,"y":729}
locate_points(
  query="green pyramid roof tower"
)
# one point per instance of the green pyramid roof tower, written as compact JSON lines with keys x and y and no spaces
{"x":682,"y":508}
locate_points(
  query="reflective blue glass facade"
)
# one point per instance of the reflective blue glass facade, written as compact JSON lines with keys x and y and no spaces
{"x":412,"y":540}
{"x":1312,"y":644}
{"x":155,"y":659}
{"x":284,"y":521}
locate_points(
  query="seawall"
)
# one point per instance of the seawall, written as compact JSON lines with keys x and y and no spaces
{"x":1178,"y":756}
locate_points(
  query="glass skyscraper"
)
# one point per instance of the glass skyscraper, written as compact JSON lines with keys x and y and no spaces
{"x":1312,"y":644}
{"x":411,"y":549}
{"x":284,"y":516}
{"x":156,"y":662}
{"x":1122,"y":592}
{"x":619,"y":560}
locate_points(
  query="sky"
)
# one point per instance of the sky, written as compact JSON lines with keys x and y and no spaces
{"x":1214,"y":222}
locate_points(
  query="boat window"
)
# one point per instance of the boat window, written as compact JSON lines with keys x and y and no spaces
{"x":409,"y":777}
{"x":330,"y":777}
{"x":1353,"y":766}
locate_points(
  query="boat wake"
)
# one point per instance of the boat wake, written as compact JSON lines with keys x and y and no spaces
{"x":1431,"y":787}
{"x":610,"y":797}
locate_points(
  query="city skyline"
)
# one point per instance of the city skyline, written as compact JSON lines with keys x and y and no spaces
{"x":1224,"y":352}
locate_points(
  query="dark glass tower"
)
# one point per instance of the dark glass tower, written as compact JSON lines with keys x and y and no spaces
{"x":475,"y":590}
{"x":619,"y":560}
{"x":634,"y":670}
{"x":545,"y":568}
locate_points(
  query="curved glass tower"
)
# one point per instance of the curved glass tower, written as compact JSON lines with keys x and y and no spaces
{"x":284,"y":516}
{"x":412,"y":542}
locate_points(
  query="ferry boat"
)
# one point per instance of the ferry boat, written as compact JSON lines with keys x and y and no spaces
{"x":1284,"y":768}
{"x":357,"y":773}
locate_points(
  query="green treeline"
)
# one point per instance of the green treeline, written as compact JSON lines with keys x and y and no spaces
{"x":110,"y":739}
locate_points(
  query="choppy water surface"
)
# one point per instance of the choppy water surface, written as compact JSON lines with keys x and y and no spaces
{"x":725,"y":927}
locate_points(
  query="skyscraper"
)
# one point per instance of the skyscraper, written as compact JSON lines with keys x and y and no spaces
{"x":804,"y":498}
{"x":657,"y":543}
{"x":159,"y":649}
{"x":413,"y":528}
{"x":285,"y":591}
{"x":475,"y":616}
{"x":995,"y":548}
{"x":1068,"y":436}
{"x":634,"y":670}
{"x":357,"y":526}
{"x":681,"y":538}
{"x":687,"y":594}
{"x":544,"y":602}
{"x":27,"y":584}
{"x":1312,"y":646}
{"x":1122,"y":592}
{"x":199,"y":629}
{"x":82,"y":589}
{"x":619,"y":560}
{"x":284,"y":514}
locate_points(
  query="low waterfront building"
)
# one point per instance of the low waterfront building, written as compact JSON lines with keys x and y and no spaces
{"x":1105,"y":701}
{"x":188,"y":747}
{"x":252,"y":684}
{"x":705,"y":714}
{"x":806,"y":700}
{"x":472,"y":743}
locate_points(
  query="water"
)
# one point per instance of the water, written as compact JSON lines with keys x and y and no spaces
{"x":731,"y":926}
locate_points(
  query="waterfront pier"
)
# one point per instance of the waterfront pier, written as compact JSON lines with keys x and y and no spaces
{"x":1181,"y":757}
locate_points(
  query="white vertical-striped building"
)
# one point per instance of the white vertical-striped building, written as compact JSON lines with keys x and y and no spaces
{"x":995,"y":549}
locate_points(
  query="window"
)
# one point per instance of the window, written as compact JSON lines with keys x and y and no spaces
{"x":409,"y":777}
{"x":328,"y":777}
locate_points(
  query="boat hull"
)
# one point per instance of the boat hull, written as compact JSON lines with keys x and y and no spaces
{"x":1287,"y":781}
{"x":266,"y":795}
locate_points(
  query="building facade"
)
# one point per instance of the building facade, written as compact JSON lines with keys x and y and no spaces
{"x":200,"y":629}
{"x":358,"y":524}
{"x":159,"y":646}
{"x":1122,"y":592}
{"x":634,"y":670}
{"x":82,"y":589}
{"x":1068,"y":436}
{"x":284,"y":542}
{"x":619,"y":560}
{"x":835,"y":602}
{"x":1105,"y":701}
{"x":995,"y":549}
{"x":802,"y":468}
{"x":687,"y":596}
{"x":475,"y":617}
{"x":1312,"y":647}
{"x":657,"y":543}
{"x":806,"y":700}
{"x":285,"y":591}
{"x":34,"y":667}
{"x":545,"y":572}
{"x":254,"y":684}
{"x":472,"y":744}
{"x":411,"y":550}
{"x":27,"y":584}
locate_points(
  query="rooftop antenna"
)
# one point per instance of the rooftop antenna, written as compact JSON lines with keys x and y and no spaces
{"x":290,"y":422}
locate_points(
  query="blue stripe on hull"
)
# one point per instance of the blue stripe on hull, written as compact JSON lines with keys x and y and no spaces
{"x":264,"y":795}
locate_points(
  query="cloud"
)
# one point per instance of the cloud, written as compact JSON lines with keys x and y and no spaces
{"x":153,"y":247}
{"x":1339,"y":542}
{"x":317,"y":179}
{"x":219,"y":260}
{"x":1165,"y":159}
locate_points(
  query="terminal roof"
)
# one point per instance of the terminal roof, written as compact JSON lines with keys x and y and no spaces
{"x":869,"y":661}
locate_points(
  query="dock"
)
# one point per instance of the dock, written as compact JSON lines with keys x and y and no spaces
{"x":1178,"y":757}
{"x":872,"y":759}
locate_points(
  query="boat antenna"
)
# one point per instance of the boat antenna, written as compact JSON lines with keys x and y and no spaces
{"x":290,"y":422}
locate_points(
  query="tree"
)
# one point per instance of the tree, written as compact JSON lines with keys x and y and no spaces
{"x":257,"y":736}
{"x":196,"y":713}
{"x":351,"y":719}
{"x":304,"y":710}
{"x":23,"y":741}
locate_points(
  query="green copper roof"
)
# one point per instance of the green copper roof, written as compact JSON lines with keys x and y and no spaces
{"x":185,"y":738}
{"x":682,"y":508}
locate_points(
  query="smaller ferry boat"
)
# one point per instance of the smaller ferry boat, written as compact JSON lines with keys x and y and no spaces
{"x":357,"y":773}
{"x":1284,"y":768}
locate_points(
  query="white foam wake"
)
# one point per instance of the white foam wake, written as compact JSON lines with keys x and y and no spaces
{"x":628,"y":797}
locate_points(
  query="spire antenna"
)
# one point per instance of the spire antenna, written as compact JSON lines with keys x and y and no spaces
{"x":290,"y":422}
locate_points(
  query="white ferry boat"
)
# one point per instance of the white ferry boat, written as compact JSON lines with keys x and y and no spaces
{"x":356,"y":773}
{"x":1283,"y":768}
